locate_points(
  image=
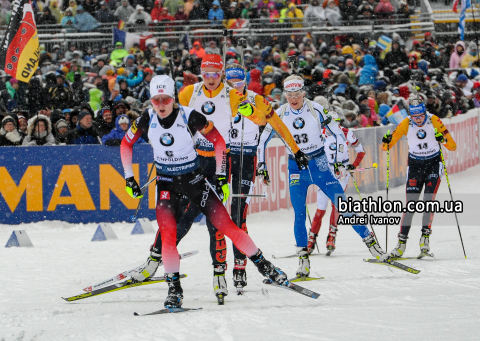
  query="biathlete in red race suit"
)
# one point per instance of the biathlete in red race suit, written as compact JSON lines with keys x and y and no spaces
{"x":171,"y":133}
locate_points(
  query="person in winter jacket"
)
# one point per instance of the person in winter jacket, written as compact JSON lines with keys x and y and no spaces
{"x":12,"y":87}
{"x":294,"y":14}
{"x":61,"y":95}
{"x":84,"y":21}
{"x":39,"y":132}
{"x":124,"y":11}
{"x":104,"y":15}
{"x":180,"y":17}
{"x":332,"y":13}
{"x":369,"y":72}
{"x":46,"y":18}
{"x":132,"y":79}
{"x":55,"y":10}
{"x":37,"y":97}
{"x":125,"y":91}
{"x":61,"y":132}
{"x":9,"y":135}
{"x":349,"y":12}
{"x":105,"y":121}
{"x":139,"y":17}
{"x":142,"y":91}
{"x":471,"y":58}
{"x":255,"y":83}
{"x":84,"y":132}
{"x":384,"y":8}
{"x":457,"y":55}
{"x":396,"y":55}
{"x":197,"y":50}
{"x":114,"y":138}
{"x":199,"y":11}
{"x":215,"y":14}
{"x":68,"y":21}
{"x":173,"y":5}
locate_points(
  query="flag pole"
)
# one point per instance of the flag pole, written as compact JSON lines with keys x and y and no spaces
{"x":474,"y":28}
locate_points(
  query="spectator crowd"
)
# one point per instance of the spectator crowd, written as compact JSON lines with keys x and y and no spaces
{"x":87,"y":15}
{"x":92,"y":97}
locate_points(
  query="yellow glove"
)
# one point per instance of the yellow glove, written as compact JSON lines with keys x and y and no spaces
{"x":223,"y":185}
{"x":245,"y":108}
{"x":133,"y":189}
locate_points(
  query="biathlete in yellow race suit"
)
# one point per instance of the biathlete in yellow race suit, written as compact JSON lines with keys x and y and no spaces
{"x":220,"y":103}
{"x":424,"y":133}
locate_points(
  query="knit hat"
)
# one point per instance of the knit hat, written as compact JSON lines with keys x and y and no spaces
{"x":110,"y":72}
{"x":7,"y":119}
{"x":82,"y":114}
{"x":123,"y":119}
{"x":61,"y":123}
{"x":461,"y":78}
{"x":120,"y":71}
{"x":267,"y":69}
{"x":13,"y":81}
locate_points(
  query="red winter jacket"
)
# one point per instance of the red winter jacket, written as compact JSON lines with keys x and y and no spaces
{"x":256,"y":82}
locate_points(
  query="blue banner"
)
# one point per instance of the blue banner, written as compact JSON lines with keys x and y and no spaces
{"x":77,"y":184}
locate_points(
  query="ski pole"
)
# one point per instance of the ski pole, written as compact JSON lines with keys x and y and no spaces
{"x":263,"y":195}
{"x":374,"y":166}
{"x":359,"y":195}
{"x":308,"y":213}
{"x":242,"y":43}
{"x":143,"y":189}
{"x":451,"y":195}
{"x":388,"y":181}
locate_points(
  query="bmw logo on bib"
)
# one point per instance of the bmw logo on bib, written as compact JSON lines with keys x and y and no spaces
{"x":333,"y":146}
{"x":299,"y":123}
{"x":208,"y":108}
{"x":166,"y":139}
{"x":237,"y":118}
{"x":421,"y":134}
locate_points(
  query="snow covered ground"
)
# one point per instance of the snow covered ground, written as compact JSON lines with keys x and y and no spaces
{"x":359,"y":301}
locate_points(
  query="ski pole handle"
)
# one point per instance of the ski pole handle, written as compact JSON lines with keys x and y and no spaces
{"x":374,"y":166}
{"x":148,"y":183}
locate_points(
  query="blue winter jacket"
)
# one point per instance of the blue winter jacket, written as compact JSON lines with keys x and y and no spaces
{"x":216,"y":14}
{"x":369,"y":72}
{"x":80,"y":135}
{"x":114,"y":138}
{"x":132,"y":81}
{"x":84,"y":21}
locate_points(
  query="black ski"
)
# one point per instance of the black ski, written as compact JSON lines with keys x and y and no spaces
{"x":329,"y":252}
{"x":293,"y":287}
{"x":117,"y":286}
{"x":168,"y":311}
{"x":394,"y":264}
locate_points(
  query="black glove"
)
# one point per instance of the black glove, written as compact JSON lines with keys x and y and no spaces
{"x":387,"y":138}
{"x":301,"y":159}
{"x":133,"y":189}
{"x":351,"y":167}
{"x":326,"y":121}
{"x":263,"y":173}
{"x":336,"y":167}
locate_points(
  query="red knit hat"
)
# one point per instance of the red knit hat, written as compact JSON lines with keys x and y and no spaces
{"x":212,"y":60}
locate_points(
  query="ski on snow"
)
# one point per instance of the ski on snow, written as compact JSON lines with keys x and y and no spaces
{"x":295,"y":255}
{"x":304,"y":279}
{"x":125,"y":274}
{"x":420,"y":256}
{"x":394,"y":264}
{"x":117,"y":286}
{"x":168,"y":311}
{"x":293,"y":287}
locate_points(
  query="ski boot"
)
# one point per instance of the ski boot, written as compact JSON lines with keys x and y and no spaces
{"x":219,"y":282}
{"x":401,"y":246}
{"x":375,"y":249}
{"x":303,"y":262}
{"x":332,"y":236}
{"x":267,"y":269}
{"x":149,"y":268}
{"x":425,"y":240}
{"x":312,"y":235}
{"x":240,"y":275}
{"x":175,"y":291}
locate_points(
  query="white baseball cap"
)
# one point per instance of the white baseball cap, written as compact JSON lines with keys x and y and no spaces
{"x":162,"y":85}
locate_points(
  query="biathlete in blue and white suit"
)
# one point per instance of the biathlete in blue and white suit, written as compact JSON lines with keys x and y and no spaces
{"x":305,"y":120}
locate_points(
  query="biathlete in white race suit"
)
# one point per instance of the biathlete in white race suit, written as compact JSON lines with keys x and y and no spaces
{"x":171,"y":132}
{"x":424,"y":133}
{"x":218,"y":103}
{"x":236,"y":77}
{"x":344,"y":167}
{"x":305,"y":120}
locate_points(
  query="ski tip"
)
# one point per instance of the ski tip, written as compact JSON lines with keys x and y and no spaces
{"x":273,"y":256}
{"x":64,"y":299}
{"x":136,"y":314}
